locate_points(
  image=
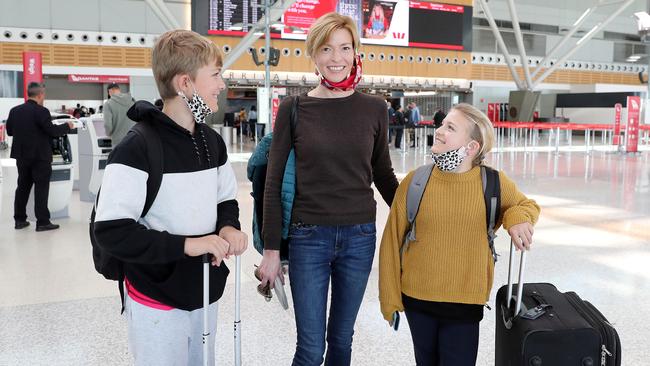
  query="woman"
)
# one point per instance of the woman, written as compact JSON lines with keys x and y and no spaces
{"x":446,"y":274}
{"x":341,"y":148}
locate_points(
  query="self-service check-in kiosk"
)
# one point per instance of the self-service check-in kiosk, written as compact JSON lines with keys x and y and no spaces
{"x":60,"y":180}
{"x":73,"y":137}
{"x":94,"y":147}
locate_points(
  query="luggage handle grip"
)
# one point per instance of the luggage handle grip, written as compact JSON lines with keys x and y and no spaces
{"x":520,"y":283}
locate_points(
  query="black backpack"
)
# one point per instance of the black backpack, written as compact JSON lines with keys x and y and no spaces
{"x":107,"y":265}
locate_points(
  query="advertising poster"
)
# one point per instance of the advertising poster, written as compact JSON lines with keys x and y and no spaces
{"x":382,"y":22}
{"x":32,"y":69}
{"x":632,"y":127}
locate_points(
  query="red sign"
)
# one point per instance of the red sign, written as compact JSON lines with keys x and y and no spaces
{"x":101,"y":79}
{"x":632,"y":128}
{"x":32,"y":69}
{"x":617,"y":123}
{"x":303,"y":13}
{"x":434,"y":6}
{"x":274,"y":111}
{"x":490,"y":112}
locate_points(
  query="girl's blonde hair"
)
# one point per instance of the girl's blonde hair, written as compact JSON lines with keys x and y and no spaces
{"x":321,"y":30}
{"x":181,"y":52}
{"x":482,"y":130}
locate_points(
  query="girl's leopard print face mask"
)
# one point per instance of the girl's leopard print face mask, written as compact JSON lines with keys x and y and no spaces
{"x":450,"y":160}
{"x":197,"y":106}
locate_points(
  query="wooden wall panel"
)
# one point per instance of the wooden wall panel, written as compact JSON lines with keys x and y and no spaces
{"x":64,"y":55}
{"x":88,"y":56}
{"x":44,"y":49}
{"x":501,"y":73}
{"x":112,"y":56}
{"x":136,"y":56}
{"x":107,"y":56}
{"x":12,"y":53}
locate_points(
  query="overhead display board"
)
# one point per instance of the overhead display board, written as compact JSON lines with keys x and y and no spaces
{"x":382,"y":22}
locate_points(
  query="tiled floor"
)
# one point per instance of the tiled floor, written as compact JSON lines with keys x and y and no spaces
{"x":593,"y":237}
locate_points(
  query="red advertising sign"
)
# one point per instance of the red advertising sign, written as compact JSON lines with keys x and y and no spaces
{"x":303,"y":13}
{"x":632,"y":128}
{"x":101,"y":79}
{"x":32,"y":69}
{"x":617,"y":123}
{"x":490,"y":112}
{"x":434,"y":6}
{"x":274,"y":110}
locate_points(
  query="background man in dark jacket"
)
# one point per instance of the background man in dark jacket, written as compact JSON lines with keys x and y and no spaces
{"x":31,"y":126}
{"x":438,"y":117}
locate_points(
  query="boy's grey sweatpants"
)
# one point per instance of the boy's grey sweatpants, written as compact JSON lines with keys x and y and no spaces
{"x":173,"y":337}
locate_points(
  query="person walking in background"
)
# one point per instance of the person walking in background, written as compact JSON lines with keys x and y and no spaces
{"x":252,"y":121}
{"x":32,"y":129}
{"x":438,"y":117}
{"x":116,"y":123}
{"x":400,"y":124}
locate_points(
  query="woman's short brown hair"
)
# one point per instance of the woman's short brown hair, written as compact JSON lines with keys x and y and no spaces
{"x":321,"y":30}
{"x":181,"y":52}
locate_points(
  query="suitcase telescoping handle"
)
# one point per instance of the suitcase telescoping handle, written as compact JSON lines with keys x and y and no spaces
{"x":520,"y":283}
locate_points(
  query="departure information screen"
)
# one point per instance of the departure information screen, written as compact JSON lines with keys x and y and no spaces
{"x":383,"y":22}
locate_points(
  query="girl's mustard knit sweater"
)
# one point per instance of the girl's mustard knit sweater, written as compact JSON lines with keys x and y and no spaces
{"x":450,"y":260}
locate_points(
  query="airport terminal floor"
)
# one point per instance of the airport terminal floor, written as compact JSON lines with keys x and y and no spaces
{"x":592,"y":238}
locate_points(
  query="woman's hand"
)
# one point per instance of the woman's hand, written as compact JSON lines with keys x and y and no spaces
{"x":270,"y":268}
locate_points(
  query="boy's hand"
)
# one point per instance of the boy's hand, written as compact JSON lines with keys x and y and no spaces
{"x":522,"y":235}
{"x":209,"y":244}
{"x":238,"y":240}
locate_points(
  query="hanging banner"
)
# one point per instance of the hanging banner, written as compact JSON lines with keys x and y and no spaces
{"x":618,"y":108}
{"x":32,"y":69}
{"x":98,"y":79}
{"x":490,"y":112}
{"x":632,"y":127}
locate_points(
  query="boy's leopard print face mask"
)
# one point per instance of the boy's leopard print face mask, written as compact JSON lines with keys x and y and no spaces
{"x":450,"y":161}
{"x":197,"y":106}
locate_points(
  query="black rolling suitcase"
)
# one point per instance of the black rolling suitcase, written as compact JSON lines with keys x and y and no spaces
{"x":551,"y":328}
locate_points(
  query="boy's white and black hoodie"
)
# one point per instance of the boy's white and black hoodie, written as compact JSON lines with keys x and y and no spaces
{"x":196,"y":198}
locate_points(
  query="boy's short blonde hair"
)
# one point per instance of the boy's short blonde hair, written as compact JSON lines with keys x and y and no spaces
{"x":482,"y":131}
{"x":181,"y":52}
{"x":321,"y":30}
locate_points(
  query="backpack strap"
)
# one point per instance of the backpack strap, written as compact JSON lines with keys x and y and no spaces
{"x":154,"y":179}
{"x":491,"y":193}
{"x":155,"y":160}
{"x":413,"y":199}
{"x":492,"y":196}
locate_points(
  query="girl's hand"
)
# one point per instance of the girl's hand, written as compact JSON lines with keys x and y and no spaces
{"x":522,"y":235}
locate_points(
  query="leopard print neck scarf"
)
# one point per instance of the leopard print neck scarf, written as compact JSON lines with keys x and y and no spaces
{"x":197,"y":106}
{"x":449,"y":161}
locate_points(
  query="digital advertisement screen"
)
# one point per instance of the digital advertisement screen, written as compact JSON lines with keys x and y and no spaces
{"x":382,"y":22}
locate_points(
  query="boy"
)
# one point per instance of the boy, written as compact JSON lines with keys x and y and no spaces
{"x":194,"y":212}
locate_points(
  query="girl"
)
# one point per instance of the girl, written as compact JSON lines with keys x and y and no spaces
{"x":446,"y":274}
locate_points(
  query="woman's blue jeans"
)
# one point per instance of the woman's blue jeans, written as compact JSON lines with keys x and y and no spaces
{"x":317,"y":255}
